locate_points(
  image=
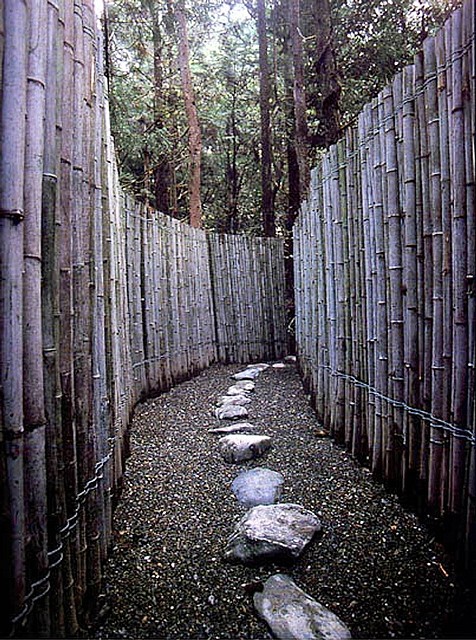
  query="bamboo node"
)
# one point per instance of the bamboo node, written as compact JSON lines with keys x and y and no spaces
{"x":17,"y":215}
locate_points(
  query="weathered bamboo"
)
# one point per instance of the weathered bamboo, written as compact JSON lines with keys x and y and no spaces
{"x":459,"y":267}
{"x":66,"y":312}
{"x":410,"y":277}
{"x":33,"y":395}
{"x":339,"y":406}
{"x":50,"y":319}
{"x":381,"y":354}
{"x":424,"y":263}
{"x":394,"y":266}
{"x":412,"y":345}
{"x":12,"y":152}
{"x":469,"y":73}
{"x":368,"y":267}
{"x":437,"y":438}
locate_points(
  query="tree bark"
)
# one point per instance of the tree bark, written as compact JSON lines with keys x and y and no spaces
{"x":264,"y":103}
{"x":301,"y":136}
{"x":325,"y":99}
{"x":194,"y":134}
{"x":161,"y":168}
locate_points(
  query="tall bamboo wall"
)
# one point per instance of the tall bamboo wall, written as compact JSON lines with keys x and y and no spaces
{"x":384,"y":278}
{"x":102,"y":301}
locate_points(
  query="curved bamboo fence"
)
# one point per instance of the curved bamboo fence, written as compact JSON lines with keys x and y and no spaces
{"x":102,"y":301}
{"x":384,"y":253}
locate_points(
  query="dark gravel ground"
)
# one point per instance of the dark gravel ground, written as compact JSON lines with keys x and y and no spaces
{"x":376,"y":566}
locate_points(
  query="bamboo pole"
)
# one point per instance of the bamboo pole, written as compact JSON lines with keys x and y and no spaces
{"x":381,"y":354}
{"x":369,"y":267}
{"x":33,"y":395}
{"x":437,"y":439}
{"x":424,"y":263}
{"x":459,"y":268}
{"x":50,"y":307}
{"x":410,"y":276}
{"x":469,"y":73}
{"x":12,"y":157}
{"x":101,"y":415}
{"x":394,"y":266}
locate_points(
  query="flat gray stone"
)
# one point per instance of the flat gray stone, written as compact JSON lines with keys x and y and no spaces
{"x":272,"y":532}
{"x":233,"y":428}
{"x":240,"y":447}
{"x":245,"y":385}
{"x":234,"y":399}
{"x":257,"y":486}
{"x":247,"y":374}
{"x":231,"y":412}
{"x":293,"y":615}
{"x":234,"y":390}
{"x":262,"y":366}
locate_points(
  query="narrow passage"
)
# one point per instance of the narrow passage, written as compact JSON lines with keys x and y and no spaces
{"x":374,"y":565}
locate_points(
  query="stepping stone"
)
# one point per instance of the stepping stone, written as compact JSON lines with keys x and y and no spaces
{"x":290,"y":359}
{"x":240,"y":447}
{"x":262,"y":366}
{"x":245,"y":385}
{"x":232,"y":428}
{"x":231,"y":412}
{"x":247,"y":374}
{"x":293,"y":615}
{"x":279,"y":365}
{"x":234,"y":390}
{"x":272,"y":532}
{"x":234,"y":400}
{"x":258,"y":486}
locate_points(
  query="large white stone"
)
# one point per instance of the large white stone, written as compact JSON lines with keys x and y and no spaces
{"x":243,"y":385}
{"x":233,"y":428}
{"x":240,"y":447}
{"x":234,"y":399}
{"x":262,"y":366}
{"x":257,"y":486}
{"x":247,"y":374}
{"x":272,"y":532}
{"x":293,"y":615}
{"x":231,"y":412}
{"x":234,"y":390}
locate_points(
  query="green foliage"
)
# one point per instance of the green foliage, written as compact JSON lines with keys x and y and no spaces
{"x":373,"y":39}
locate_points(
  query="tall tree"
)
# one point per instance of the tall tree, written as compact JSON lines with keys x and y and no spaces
{"x":323,"y":86}
{"x":194,"y":133}
{"x":161,"y":170}
{"x":300,"y":108}
{"x":267,"y":205}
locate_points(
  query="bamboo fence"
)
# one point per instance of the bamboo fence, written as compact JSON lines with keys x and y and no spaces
{"x":384,"y":281}
{"x":102,"y":302}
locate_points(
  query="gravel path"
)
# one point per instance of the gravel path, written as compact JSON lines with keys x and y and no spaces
{"x":375,"y":565}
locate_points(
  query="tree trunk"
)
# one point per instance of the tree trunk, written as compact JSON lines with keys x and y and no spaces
{"x":300,"y":115}
{"x":264,"y":103}
{"x":325,"y":100}
{"x":194,"y":134}
{"x":161,"y":169}
{"x":229,"y":222}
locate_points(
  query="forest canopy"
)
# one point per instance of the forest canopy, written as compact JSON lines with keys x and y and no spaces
{"x":219,"y":108}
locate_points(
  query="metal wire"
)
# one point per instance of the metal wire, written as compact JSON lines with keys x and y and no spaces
{"x":436,"y":423}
